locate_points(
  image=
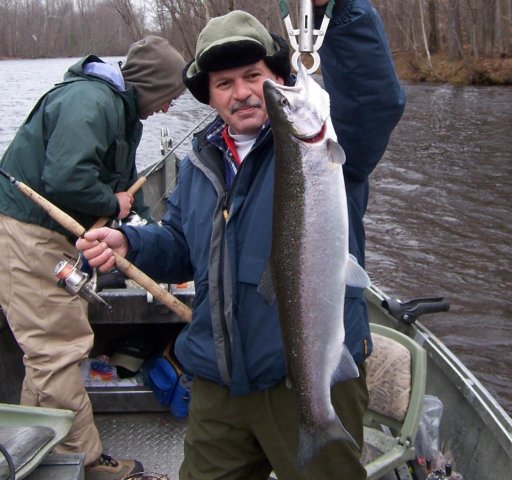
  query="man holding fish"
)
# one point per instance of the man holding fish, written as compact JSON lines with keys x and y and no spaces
{"x":278,"y":384}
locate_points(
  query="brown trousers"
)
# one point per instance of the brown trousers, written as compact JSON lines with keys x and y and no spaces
{"x":50,"y":326}
{"x":244,"y":438}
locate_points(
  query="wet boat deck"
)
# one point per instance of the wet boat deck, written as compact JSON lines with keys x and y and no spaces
{"x":155,"y":439}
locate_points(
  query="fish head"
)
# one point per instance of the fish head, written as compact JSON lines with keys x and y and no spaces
{"x":303,"y":109}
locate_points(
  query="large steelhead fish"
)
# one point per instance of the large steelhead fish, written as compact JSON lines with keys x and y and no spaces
{"x":310,"y":262}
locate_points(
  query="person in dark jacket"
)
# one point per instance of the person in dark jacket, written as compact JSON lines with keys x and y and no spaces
{"x":77,"y":149}
{"x":217,"y":231}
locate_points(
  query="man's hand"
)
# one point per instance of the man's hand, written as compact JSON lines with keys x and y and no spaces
{"x":125,"y":201}
{"x":98,"y":246}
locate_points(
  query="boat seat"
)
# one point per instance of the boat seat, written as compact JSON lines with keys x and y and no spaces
{"x":396,"y":378}
{"x":28,"y":434}
{"x":22,"y":444}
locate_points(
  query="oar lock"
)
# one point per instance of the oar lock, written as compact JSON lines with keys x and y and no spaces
{"x":410,"y":310}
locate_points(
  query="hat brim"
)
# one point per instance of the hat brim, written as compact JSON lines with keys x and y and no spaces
{"x":233,"y":54}
{"x":129,"y":362}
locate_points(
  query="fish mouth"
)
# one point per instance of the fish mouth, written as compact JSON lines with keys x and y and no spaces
{"x":317,"y":137}
{"x":274,"y":96}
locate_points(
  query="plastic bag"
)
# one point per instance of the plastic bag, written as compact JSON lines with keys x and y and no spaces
{"x":428,"y":436}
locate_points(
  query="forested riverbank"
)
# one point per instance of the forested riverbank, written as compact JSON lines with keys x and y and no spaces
{"x":484,"y":71}
{"x":467,"y":42}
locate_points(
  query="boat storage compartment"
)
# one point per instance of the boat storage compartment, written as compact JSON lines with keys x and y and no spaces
{"x":134,"y":315}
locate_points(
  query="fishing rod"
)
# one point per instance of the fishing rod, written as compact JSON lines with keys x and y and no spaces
{"x":143,"y":178}
{"x":122,"y":264}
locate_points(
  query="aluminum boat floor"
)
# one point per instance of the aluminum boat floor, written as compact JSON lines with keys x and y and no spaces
{"x":155,"y":439}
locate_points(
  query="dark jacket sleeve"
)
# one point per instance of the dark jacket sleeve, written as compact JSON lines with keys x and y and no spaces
{"x":162,"y":251}
{"x":367,"y":100}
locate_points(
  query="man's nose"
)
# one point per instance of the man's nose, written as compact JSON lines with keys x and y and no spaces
{"x":241,"y":89}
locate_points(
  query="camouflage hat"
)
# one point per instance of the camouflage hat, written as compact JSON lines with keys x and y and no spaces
{"x":234,"y":40}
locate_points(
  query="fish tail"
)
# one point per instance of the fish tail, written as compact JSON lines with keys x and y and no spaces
{"x":311,"y":442}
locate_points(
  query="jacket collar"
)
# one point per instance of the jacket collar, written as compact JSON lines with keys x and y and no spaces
{"x":214,"y":135}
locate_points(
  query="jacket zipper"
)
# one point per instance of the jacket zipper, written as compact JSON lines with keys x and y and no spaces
{"x":229,"y":199}
{"x":227,"y":336}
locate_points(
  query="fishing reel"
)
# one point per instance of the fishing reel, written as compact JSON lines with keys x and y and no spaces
{"x":77,"y":282}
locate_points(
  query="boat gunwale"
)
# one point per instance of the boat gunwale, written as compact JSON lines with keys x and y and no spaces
{"x":484,"y":404}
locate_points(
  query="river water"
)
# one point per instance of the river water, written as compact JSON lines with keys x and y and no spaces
{"x":439,"y":219}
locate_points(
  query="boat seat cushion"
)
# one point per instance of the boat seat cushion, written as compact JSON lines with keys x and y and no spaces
{"x":22,"y":444}
{"x":389,"y":378}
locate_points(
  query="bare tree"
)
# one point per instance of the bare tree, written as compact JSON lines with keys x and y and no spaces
{"x":454,"y":30}
{"x":424,"y":32}
{"x":34,"y":28}
{"x":133,"y":20}
{"x":503,"y":32}
{"x":433,"y":36}
{"x":185,"y":19}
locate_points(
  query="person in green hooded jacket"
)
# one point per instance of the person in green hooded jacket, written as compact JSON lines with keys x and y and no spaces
{"x":77,"y":149}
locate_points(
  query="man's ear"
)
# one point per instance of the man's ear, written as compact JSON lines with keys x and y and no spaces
{"x":280,"y":80}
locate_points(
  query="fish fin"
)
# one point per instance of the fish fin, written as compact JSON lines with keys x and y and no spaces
{"x":266,"y":286}
{"x":310,"y":443}
{"x":356,"y":276}
{"x":346,"y":369}
{"x":337,"y":154}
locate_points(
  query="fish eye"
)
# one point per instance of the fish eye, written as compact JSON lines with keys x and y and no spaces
{"x":284,"y":102}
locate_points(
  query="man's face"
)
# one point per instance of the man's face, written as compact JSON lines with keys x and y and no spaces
{"x":164,"y":108}
{"x":237,"y":95}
